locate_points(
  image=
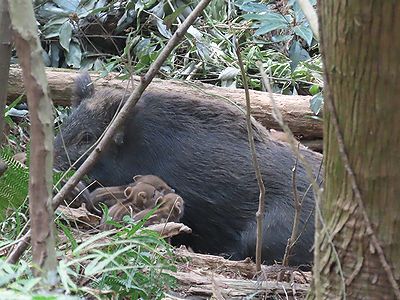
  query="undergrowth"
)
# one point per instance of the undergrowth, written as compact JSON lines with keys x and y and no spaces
{"x":13,"y":184}
{"x":134,"y":263}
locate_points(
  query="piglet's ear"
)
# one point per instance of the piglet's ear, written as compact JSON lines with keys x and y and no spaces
{"x":137,"y":177}
{"x":83,"y":88}
{"x":128,"y":192}
{"x":159,"y":201}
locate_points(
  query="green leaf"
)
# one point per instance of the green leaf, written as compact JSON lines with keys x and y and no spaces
{"x":297,"y":54}
{"x":13,"y":183}
{"x":252,"y":7}
{"x":70,"y":5}
{"x":49,"y":10}
{"x":66,"y":280}
{"x":316,"y":103}
{"x":298,"y":13}
{"x":67,"y":232}
{"x":74,"y":55}
{"x":268,"y":27}
{"x":305,"y":32}
{"x":281,"y":38}
{"x":314,"y":89}
{"x":269,"y":21}
{"x":162,"y":28}
{"x":168,"y":20}
{"x":65,"y":35}
{"x":269,"y":16}
{"x":55,"y":52}
{"x":51,"y":31}
{"x":13,"y":104}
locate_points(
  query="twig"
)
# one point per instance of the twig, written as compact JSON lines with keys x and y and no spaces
{"x":129,"y":104}
{"x":312,"y":211}
{"x":261,"y":199}
{"x":311,"y":16}
{"x":298,"y":203}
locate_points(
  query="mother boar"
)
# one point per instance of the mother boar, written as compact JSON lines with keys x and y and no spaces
{"x":200,"y":148}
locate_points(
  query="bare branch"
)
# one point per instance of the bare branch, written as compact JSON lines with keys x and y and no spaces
{"x":20,"y":248}
{"x":311,"y":16}
{"x":298,"y":203}
{"x":41,"y":132}
{"x":5,"y":56}
{"x":261,"y":199}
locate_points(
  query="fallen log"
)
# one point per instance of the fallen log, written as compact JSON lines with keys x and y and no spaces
{"x":316,"y":144}
{"x":206,"y":276}
{"x":295,"y":109}
{"x":199,"y":284}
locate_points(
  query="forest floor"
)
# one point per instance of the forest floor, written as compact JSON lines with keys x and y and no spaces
{"x":201,"y":276}
{"x":209,"y":276}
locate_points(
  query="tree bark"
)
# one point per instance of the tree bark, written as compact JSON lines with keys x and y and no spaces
{"x":360,"y":46}
{"x":296,"y":109}
{"x":5,"y":56}
{"x":41,"y":133}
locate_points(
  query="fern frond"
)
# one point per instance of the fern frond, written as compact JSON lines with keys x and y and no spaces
{"x":13,"y":183}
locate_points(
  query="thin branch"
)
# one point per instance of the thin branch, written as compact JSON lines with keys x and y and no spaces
{"x":311,"y":16}
{"x":261,"y":199}
{"x":298,"y":204}
{"x":20,"y":248}
{"x":312,"y":211}
{"x":41,"y":132}
{"x":5,"y":56}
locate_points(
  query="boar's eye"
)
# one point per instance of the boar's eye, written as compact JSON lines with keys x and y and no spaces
{"x":86,"y":138}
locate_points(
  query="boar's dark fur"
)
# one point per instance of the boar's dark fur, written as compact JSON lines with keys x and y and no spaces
{"x":200,"y":148}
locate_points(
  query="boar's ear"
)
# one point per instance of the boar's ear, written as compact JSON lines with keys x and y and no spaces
{"x":83,"y":88}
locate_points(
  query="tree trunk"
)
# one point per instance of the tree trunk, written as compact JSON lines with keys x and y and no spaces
{"x":5,"y":56}
{"x":295,"y":109}
{"x":360,"y":45}
{"x":41,"y":132}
